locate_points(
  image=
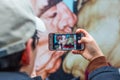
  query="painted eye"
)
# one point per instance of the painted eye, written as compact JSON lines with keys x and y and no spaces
{"x":53,"y":15}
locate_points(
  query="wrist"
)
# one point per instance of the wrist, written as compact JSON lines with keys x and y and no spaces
{"x":97,"y":63}
{"x":96,"y":55}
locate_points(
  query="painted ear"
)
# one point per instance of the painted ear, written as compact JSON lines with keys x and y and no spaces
{"x":26,"y":53}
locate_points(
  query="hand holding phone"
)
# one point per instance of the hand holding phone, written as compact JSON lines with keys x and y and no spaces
{"x":65,"y":41}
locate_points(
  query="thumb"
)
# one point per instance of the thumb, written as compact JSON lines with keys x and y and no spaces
{"x":83,"y":40}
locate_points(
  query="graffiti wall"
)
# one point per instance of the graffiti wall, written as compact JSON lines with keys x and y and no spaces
{"x":99,"y":17}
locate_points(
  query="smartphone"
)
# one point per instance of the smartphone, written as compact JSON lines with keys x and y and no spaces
{"x":65,"y":41}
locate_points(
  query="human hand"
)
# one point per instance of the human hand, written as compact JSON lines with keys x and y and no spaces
{"x":91,"y":50}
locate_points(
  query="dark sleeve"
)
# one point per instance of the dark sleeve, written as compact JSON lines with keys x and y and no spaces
{"x":104,"y":73}
{"x":37,"y":78}
{"x":97,"y":63}
{"x":99,"y":69}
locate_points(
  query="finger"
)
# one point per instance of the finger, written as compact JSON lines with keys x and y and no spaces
{"x":83,"y":40}
{"x":77,"y":52}
{"x":82,"y":31}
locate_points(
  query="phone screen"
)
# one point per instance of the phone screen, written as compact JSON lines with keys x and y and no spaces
{"x":65,"y":41}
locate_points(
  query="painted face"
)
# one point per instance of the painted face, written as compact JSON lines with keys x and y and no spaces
{"x":39,"y":5}
{"x":103,"y":23}
{"x":59,"y":19}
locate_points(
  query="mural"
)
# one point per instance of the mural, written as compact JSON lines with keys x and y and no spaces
{"x":101,"y":18}
{"x":58,"y":17}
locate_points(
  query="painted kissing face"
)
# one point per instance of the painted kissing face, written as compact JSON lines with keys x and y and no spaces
{"x":59,"y":19}
{"x":38,"y":6}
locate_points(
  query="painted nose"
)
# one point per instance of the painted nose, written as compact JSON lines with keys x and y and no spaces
{"x":68,"y":19}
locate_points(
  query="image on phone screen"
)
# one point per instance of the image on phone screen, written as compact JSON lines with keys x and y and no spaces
{"x":64,"y":41}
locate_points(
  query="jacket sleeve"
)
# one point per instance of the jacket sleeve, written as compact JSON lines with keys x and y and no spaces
{"x":99,"y":69}
{"x":104,"y":73}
